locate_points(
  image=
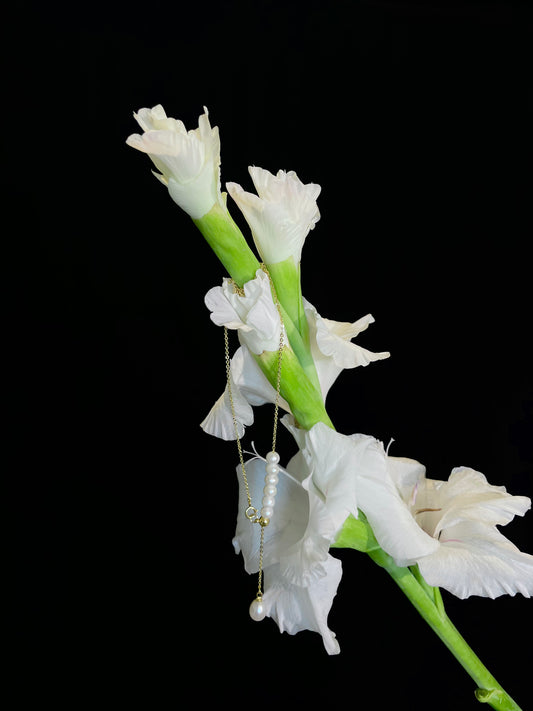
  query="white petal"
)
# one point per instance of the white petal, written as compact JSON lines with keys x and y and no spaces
{"x":296,"y":608}
{"x":326,"y":368}
{"x":219,"y":422}
{"x":468,"y":496}
{"x":332,"y":459}
{"x":476,"y":559}
{"x":222,"y":311}
{"x":408,"y":475}
{"x":305,"y":561}
{"x":196,"y":197}
{"x":146,"y":117}
{"x":389,"y":515}
{"x":333,"y":339}
{"x":251,"y":380}
{"x":253,"y":313}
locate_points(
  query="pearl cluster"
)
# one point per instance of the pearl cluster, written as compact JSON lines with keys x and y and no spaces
{"x":270,"y":490}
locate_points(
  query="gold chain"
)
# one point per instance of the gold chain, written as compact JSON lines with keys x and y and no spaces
{"x":252,"y":513}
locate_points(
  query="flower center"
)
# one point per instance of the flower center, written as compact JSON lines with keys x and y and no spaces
{"x":428,"y":522}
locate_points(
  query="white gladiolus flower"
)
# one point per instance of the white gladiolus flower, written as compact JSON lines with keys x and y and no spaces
{"x":253,"y":314}
{"x":472,"y":556}
{"x":280,"y":215}
{"x":448,"y":528}
{"x":188,"y":161}
{"x":300,"y":576}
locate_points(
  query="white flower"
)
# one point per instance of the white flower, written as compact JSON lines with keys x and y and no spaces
{"x":188,"y":161}
{"x":300,"y":576}
{"x":472,"y":557}
{"x":331,"y":346}
{"x":280,"y":215}
{"x":448,"y":528}
{"x":253,"y":314}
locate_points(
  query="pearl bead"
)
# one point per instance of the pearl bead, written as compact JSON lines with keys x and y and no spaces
{"x":272,"y":469}
{"x":268,"y":501}
{"x":267,"y":511}
{"x":271,"y":479}
{"x":270,"y":490}
{"x":257,"y":610}
{"x":272,"y":457}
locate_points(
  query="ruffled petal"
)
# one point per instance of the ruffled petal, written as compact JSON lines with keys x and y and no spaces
{"x":220,"y":421}
{"x":333,"y":340}
{"x":331,"y":348}
{"x":296,"y":608}
{"x":253,"y":313}
{"x":467,"y":495}
{"x":476,"y":559}
{"x":223,"y":312}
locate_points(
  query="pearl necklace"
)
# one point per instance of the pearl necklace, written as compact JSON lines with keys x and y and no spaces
{"x":254,"y":515}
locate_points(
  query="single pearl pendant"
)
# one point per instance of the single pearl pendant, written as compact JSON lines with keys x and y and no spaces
{"x":257,"y":610}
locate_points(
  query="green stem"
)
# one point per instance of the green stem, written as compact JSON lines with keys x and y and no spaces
{"x":305,"y":402}
{"x":228,"y":243}
{"x":287,"y":283}
{"x":431,"y":608}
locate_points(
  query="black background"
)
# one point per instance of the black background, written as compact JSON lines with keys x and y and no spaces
{"x":415,"y":118}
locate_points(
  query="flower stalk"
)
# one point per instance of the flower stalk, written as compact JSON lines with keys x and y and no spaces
{"x":286,"y":279}
{"x":296,"y":388}
{"x":428,"y":602}
{"x":229,"y":244}
{"x":336,"y":477}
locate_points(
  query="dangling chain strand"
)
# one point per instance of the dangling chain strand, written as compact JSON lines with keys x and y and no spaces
{"x":262,"y":517}
{"x":235,"y":425}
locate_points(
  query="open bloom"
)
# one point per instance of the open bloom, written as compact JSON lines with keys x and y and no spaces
{"x":188,"y":161}
{"x":448,"y":528}
{"x":471,"y":557}
{"x":280,"y":215}
{"x":300,"y":576}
